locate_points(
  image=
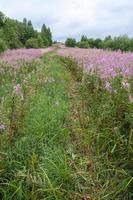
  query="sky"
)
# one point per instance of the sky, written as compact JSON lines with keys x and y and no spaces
{"x":73,"y":18}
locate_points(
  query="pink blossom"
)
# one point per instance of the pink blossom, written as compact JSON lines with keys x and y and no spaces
{"x":17,"y":89}
{"x":2,"y":126}
{"x":108,"y":64}
{"x":13,"y":57}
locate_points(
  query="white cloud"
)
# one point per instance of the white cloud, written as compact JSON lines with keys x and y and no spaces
{"x":95,"y":18}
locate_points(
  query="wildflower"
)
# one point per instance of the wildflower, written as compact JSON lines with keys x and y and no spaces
{"x":17,"y":89}
{"x":2,"y":127}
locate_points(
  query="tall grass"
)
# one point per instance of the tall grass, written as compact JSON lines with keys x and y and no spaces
{"x":107,"y":116}
{"x":109,"y":133}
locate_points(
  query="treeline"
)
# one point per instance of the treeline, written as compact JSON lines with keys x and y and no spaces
{"x":123,"y":43}
{"x":15,"y":34}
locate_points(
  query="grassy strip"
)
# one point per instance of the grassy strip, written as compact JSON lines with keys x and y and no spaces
{"x":34,"y":160}
{"x":105,"y":117}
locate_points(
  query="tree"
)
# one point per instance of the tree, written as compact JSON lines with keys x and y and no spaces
{"x":46,"y":35}
{"x":91,"y":42}
{"x":45,"y":42}
{"x":108,"y":44}
{"x":83,"y":44}
{"x":70,"y":42}
{"x":49,"y":36}
{"x":16,"y":33}
{"x":2,"y":19}
{"x":98,"y":43}
{"x":3,"y":46}
{"x":11,"y":34}
{"x":84,"y":39}
{"x":25,"y":21}
{"x":108,"y":38}
{"x":29,"y":30}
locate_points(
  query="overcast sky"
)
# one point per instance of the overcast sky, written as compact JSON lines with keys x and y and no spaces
{"x":72,"y":18}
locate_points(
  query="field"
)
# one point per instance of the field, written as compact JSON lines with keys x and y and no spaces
{"x":66,"y":124}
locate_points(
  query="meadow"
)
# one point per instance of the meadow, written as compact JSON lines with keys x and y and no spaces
{"x":66,"y":124}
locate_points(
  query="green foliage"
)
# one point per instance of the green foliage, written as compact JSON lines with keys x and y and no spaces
{"x":17,"y":33}
{"x":70,"y":42}
{"x":45,"y":42}
{"x":32,"y":43}
{"x":83,"y":44}
{"x":49,"y":36}
{"x":40,"y":41}
{"x":46,"y":36}
{"x":84,"y":38}
{"x":2,"y":19}
{"x":3,"y":46}
{"x":98,"y":43}
{"x":123,"y":43}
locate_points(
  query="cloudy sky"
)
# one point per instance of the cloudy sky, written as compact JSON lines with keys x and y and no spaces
{"x":72,"y":18}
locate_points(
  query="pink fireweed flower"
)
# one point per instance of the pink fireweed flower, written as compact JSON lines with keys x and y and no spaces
{"x":17,"y":89}
{"x":108,"y":64}
{"x":14,"y":57}
{"x":2,"y":127}
{"x":108,"y":87}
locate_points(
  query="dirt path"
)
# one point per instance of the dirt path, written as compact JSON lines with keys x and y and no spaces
{"x":46,"y":50}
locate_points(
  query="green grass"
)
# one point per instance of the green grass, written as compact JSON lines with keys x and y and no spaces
{"x":59,"y":142}
{"x":34,"y":163}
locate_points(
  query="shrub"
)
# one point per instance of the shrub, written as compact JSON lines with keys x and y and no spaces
{"x":3,"y":46}
{"x":15,"y":44}
{"x":70,"y":42}
{"x":32,"y":43}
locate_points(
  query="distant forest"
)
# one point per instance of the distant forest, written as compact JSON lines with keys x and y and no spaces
{"x":15,"y":34}
{"x":123,"y":43}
